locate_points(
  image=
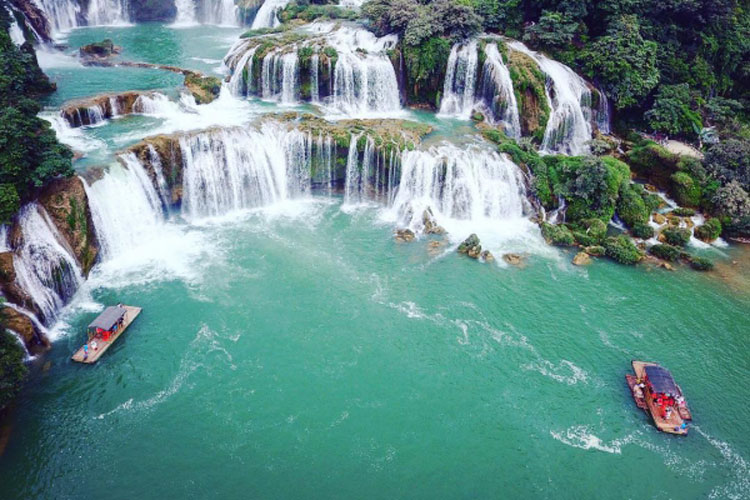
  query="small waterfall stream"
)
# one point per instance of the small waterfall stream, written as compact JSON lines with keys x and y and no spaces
{"x":496,"y":93}
{"x":460,"y":81}
{"x":63,"y":15}
{"x":44,"y":266}
{"x":569,"y":127}
{"x":108,"y":12}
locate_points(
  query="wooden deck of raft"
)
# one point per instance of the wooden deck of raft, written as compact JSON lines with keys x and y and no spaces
{"x":101,"y":345}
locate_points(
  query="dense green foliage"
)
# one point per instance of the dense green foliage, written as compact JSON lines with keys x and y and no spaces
{"x":29,"y":152}
{"x":676,"y":236}
{"x":709,"y":231}
{"x":622,"y":249}
{"x":558,"y":235}
{"x":665,"y":252}
{"x":12,"y":369}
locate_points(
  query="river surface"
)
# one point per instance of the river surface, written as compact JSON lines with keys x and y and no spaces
{"x":298,"y":351}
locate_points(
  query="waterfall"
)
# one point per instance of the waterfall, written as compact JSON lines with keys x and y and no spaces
{"x":161,"y":181}
{"x":44,"y":266}
{"x":460,"y":81}
{"x":364,"y":80}
{"x":241,"y":80}
{"x":266,"y":16}
{"x":107,"y":12}
{"x":569,"y":126}
{"x":325,"y":158}
{"x":357,"y":182}
{"x":185,"y":13}
{"x":279,"y":77}
{"x":221,"y":12}
{"x":14,"y":30}
{"x":61,"y":14}
{"x":94,"y":114}
{"x":231,"y":169}
{"x":153,"y":104}
{"x":458,"y":183}
{"x":364,"y":84}
{"x":497,"y":94}
{"x":314,"y":79}
{"x":124,"y":222}
{"x":602,"y":113}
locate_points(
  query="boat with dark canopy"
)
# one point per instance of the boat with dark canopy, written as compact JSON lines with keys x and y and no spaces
{"x":104,"y":331}
{"x":655,"y":392}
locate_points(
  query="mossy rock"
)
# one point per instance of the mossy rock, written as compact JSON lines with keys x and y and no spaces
{"x":529,"y":84}
{"x":701,"y":263}
{"x":559,"y":235}
{"x":204,"y":88}
{"x":665,"y":252}
{"x":642,"y":230}
{"x":676,"y":236}
{"x":709,"y":231}
{"x":686,"y":190}
{"x":622,"y":249}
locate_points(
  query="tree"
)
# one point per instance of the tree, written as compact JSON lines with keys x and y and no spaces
{"x":673,"y":112}
{"x":455,"y":20}
{"x":553,"y":31}
{"x":624,"y":62}
{"x":730,"y":161}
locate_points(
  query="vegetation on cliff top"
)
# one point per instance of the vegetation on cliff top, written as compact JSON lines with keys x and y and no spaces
{"x":29,"y":152}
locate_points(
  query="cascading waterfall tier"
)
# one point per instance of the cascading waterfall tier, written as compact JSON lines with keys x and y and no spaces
{"x":45,"y":268}
{"x":496,"y":96}
{"x":347,"y":70}
{"x":62,"y":15}
{"x":108,"y":12}
{"x":465,"y":183}
{"x":232,"y":169}
{"x":460,"y":81}
{"x":569,"y":128}
{"x":219,"y":12}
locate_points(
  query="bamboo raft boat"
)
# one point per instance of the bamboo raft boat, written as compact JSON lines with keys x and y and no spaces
{"x":655,"y":392}
{"x":104,"y":331}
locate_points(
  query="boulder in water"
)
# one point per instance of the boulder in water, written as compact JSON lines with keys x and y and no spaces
{"x":595,"y":250}
{"x":471,"y":247}
{"x":98,"y":52}
{"x":659,"y":218}
{"x":204,"y":88}
{"x":404,"y":235}
{"x":487,"y":256}
{"x":581,"y":259}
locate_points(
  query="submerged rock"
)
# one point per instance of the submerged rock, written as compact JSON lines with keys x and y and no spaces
{"x":513,"y":259}
{"x":581,"y":259}
{"x":404,"y":235}
{"x":487,"y":256}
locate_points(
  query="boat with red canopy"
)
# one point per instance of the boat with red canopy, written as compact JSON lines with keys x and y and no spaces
{"x":655,"y":392}
{"x":104,"y":331}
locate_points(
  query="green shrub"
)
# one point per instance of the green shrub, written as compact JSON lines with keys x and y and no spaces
{"x":683,"y":212}
{"x":709,"y":231}
{"x":701,"y":263}
{"x":12,"y":369}
{"x":665,"y":252}
{"x":558,"y":235}
{"x":676,"y":236}
{"x":686,"y":190}
{"x":642,"y":230}
{"x":596,"y":250}
{"x":622,"y":249}
{"x":630,"y":206}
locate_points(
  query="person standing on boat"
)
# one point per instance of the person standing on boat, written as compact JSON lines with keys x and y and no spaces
{"x":85,"y":351}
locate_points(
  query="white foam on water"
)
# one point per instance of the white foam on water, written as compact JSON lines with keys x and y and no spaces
{"x":580,"y":436}
{"x":50,"y":58}
{"x":565,"y":371}
{"x":267,"y":17}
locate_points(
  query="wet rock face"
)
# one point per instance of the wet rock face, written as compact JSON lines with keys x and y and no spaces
{"x":66,"y":203}
{"x":35,"y":18}
{"x":91,"y":110}
{"x":22,"y":325}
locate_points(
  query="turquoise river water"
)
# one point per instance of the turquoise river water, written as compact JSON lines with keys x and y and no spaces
{"x":299,"y":351}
